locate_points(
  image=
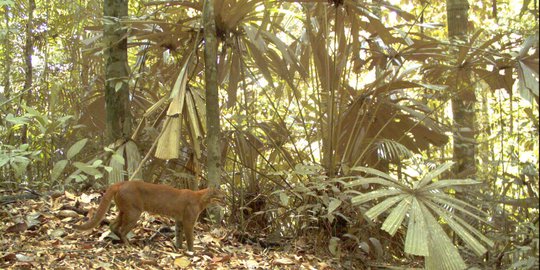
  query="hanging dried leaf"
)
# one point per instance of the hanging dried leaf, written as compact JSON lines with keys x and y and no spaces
{"x":234,"y":78}
{"x":168,"y":146}
{"x":117,"y":162}
{"x":133,"y":159}
{"x":178,"y":93}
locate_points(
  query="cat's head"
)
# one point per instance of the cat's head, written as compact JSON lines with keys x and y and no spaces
{"x":215,"y":195}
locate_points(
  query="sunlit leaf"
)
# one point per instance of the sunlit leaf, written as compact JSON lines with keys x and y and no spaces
{"x":396,"y":217}
{"x":371,"y":180}
{"x":87,"y":169}
{"x":333,"y":246}
{"x":449,"y":183}
{"x":432,"y":174}
{"x":374,"y":172}
{"x":58,"y":168}
{"x":76,"y":148}
{"x":418,"y":234}
{"x":374,"y":195}
{"x":380,"y":208}
{"x":168,"y":146}
{"x":333,"y":205}
{"x":461,"y":231}
{"x":443,"y":254}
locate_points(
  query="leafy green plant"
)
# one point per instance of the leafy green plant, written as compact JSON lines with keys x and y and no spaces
{"x":525,"y":253}
{"x":16,"y":158}
{"x":82,"y":169}
{"x":427,"y":207}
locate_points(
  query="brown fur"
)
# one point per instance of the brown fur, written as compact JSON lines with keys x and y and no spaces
{"x":134,"y":197}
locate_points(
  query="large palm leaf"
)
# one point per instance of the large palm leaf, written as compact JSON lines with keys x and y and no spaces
{"x":353,"y":120}
{"x":247,"y":44}
{"x":425,"y":204}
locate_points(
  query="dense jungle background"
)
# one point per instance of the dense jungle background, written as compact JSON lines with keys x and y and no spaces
{"x":346,"y":134}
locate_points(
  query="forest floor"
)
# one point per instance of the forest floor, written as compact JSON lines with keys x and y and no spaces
{"x":36,"y":233}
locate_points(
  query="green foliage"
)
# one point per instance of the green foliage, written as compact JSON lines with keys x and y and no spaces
{"x":93,"y":168}
{"x":527,"y":66}
{"x":525,"y":255}
{"x":76,"y":148}
{"x":420,"y":201}
{"x":6,"y":3}
{"x":17,"y":158}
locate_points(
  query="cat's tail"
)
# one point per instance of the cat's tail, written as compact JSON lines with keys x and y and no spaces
{"x":101,"y":210}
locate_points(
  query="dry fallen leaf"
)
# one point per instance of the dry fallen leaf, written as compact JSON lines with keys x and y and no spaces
{"x":182,"y":262}
{"x":149,"y":262}
{"x":57,"y":233}
{"x":250,"y":264}
{"x":225,"y":258}
{"x":8,"y":257}
{"x":109,"y":234}
{"x":57,"y":246}
{"x":104,"y":265}
{"x":24,"y":258}
{"x":70,"y":195}
{"x":33,"y":219}
{"x":87,"y":198}
{"x":19,"y":227}
{"x":208,"y":239}
{"x":68,"y":213}
{"x":283,"y":261}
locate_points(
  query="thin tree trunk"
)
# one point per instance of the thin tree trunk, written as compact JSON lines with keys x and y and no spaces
{"x":212,"y":100}
{"x":7,"y":54}
{"x":463,"y":98}
{"x":328,"y":143}
{"x":457,"y":13}
{"x":117,"y":105}
{"x":29,"y":69}
{"x":9,"y":175}
{"x":382,"y":164}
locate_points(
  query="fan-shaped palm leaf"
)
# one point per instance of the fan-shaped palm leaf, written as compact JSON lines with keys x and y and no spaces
{"x":425,"y":236}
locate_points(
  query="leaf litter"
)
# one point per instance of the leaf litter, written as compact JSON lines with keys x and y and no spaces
{"x":38,"y":233}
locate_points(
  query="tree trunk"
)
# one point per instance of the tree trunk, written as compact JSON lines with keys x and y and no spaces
{"x":212,"y":100}
{"x":463,"y":98}
{"x":6,"y":81}
{"x":29,"y":69}
{"x":457,"y":13}
{"x":329,"y":136}
{"x":117,"y":105}
{"x":382,"y":164}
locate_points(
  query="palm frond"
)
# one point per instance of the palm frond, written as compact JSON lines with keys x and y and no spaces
{"x":416,"y":241}
{"x":374,"y":172}
{"x":425,"y":235}
{"x":372,"y":180}
{"x":443,"y":254}
{"x":463,"y":207}
{"x":391,"y":150}
{"x":380,"y":208}
{"x":366,"y":197}
{"x":432,"y":174}
{"x":460,"y":230}
{"x":133,"y":158}
{"x":396,"y":217}
{"x":449,"y":183}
